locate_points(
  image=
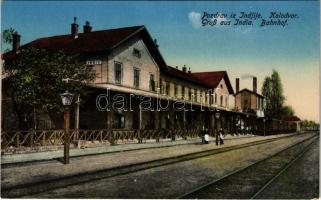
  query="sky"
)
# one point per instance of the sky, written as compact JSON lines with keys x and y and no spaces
{"x":292,"y":50}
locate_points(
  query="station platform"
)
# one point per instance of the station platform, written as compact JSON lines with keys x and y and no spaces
{"x":74,"y":152}
{"x":81,"y":161}
{"x":91,"y":150}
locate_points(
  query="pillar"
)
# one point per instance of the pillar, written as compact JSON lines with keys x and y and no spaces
{"x":109,"y":126}
{"x":172,"y":125}
{"x":212,"y":123}
{"x":184,"y":119}
{"x":157,"y":119}
{"x":140,"y":116}
{"x":76,"y":135}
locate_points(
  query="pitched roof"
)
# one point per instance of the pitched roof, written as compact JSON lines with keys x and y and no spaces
{"x":212,"y":79}
{"x":95,"y":41}
{"x":86,"y":42}
{"x":184,"y":76}
{"x":250,"y":91}
{"x":291,"y":119}
{"x":106,"y":40}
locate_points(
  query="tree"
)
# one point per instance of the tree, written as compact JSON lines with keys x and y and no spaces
{"x":272,"y":90}
{"x":309,"y":125}
{"x":36,"y":78}
{"x":267,"y":93}
{"x":277,"y":98}
{"x":287,"y":111}
{"x":7,"y":36}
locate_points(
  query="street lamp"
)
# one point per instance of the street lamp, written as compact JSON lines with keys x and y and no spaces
{"x":217,"y":116}
{"x":238,"y":124}
{"x":66,"y":99}
{"x":264,"y":125}
{"x":280,"y":127}
{"x":247,"y":124}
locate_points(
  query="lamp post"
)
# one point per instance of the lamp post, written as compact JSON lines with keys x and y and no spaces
{"x":157,"y":123}
{"x":264,"y":126}
{"x":238,"y":124}
{"x":281,"y":129}
{"x":247,"y":124}
{"x":67,"y":80}
{"x":217,"y":116}
{"x":66,"y":99}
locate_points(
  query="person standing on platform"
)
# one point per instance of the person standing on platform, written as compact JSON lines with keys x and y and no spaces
{"x":221,"y":136}
{"x":203,"y":135}
{"x":206,"y":137}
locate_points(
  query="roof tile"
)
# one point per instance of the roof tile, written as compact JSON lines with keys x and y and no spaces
{"x":85,"y":42}
{"x":213,"y":78}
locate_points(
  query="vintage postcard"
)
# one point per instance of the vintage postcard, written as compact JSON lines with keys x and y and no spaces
{"x":160,"y":99}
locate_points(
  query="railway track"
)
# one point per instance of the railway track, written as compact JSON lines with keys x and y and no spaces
{"x":38,"y":187}
{"x":250,"y":181}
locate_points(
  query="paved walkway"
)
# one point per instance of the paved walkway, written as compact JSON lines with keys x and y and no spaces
{"x":48,"y":155}
{"x":46,"y":170}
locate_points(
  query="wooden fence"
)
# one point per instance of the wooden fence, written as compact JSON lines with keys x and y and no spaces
{"x":45,"y":138}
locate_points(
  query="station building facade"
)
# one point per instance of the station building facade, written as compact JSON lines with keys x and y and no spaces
{"x":127,"y":62}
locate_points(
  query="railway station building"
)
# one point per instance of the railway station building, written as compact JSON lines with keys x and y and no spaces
{"x":128,"y":63}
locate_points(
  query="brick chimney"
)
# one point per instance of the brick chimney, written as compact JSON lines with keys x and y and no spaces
{"x":189,"y":70}
{"x":74,"y":28}
{"x":184,"y":68}
{"x":15,"y":41}
{"x":237,"y":85}
{"x":87,"y":27}
{"x":255,"y":84}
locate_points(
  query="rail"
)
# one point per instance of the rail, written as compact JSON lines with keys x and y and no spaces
{"x":208,"y":187}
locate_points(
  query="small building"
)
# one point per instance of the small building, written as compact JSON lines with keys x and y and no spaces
{"x":292,"y":123}
{"x":249,"y":101}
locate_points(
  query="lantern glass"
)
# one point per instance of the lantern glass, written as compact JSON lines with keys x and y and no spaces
{"x":119,"y":111}
{"x":217,"y":115}
{"x":66,"y":98}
